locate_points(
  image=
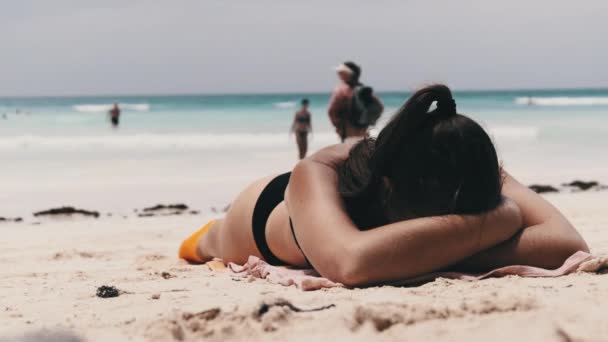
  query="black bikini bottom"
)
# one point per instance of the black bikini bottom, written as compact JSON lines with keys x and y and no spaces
{"x":272,"y":195}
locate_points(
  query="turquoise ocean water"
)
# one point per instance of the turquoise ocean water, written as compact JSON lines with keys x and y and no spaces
{"x":270,"y":113}
{"x":182,"y":148}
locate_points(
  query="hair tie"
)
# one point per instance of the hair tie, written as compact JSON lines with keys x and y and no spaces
{"x":447,"y":107}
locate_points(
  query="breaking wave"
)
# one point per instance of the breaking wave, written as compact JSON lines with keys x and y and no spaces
{"x":562,"y":101}
{"x":102,"y":108}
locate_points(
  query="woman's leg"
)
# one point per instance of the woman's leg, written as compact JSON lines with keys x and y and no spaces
{"x":301,"y":144}
{"x":208,"y":246}
{"x":302,"y":140}
{"x":304,"y":145}
{"x":231,"y":238}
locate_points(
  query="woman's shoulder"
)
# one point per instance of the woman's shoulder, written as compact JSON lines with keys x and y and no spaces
{"x":330,"y":156}
{"x":320,"y":169}
{"x":342,"y":89}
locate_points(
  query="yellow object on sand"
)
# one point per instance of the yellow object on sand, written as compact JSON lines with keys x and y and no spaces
{"x":188,"y":248}
{"x":216,"y":265}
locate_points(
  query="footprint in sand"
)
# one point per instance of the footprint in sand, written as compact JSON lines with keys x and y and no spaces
{"x":153,"y":261}
{"x":80,"y":276}
{"x":66,"y":255}
{"x":241,"y":324}
{"x":385,"y":315}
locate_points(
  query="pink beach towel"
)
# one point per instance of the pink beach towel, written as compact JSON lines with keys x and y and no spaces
{"x":309,"y":279}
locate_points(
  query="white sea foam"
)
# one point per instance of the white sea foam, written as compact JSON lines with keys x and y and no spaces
{"x":158,"y":141}
{"x":208,"y":141}
{"x":285,"y":105}
{"x":563,"y":101}
{"x":102,"y":108}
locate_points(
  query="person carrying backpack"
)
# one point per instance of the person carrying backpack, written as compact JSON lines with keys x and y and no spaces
{"x":353,"y":107}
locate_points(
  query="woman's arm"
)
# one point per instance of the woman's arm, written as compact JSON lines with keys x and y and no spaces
{"x":337,"y":249}
{"x":335,"y":106}
{"x":310,"y":122}
{"x":547,"y":240}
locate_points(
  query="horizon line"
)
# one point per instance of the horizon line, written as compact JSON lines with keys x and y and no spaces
{"x":267,"y":93}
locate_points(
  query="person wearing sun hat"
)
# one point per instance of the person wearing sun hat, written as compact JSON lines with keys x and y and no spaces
{"x":349,"y":100}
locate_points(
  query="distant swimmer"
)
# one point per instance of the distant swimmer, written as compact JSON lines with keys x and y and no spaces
{"x":301,"y":127}
{"x":115,"y":115}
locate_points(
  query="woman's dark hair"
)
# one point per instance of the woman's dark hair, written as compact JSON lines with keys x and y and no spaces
{"x":423,"y":163}
{"x":305,"y":102}
{"x":356,"y":73}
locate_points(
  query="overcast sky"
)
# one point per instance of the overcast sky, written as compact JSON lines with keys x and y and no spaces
{"x":65,"y":47}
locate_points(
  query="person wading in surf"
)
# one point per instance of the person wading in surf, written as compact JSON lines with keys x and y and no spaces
{"x":115,"y":115}
{"x":301,"y":126}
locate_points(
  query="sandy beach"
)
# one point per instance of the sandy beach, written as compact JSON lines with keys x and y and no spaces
{"x":111,"y":108}
{"x":50,"y":272}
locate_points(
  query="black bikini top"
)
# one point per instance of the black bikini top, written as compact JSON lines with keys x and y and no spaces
{"x":303,"y":119}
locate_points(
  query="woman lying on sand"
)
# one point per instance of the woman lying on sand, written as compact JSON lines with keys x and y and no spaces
{"x":427,"y":195}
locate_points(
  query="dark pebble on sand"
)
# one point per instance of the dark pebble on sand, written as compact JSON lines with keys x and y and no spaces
{"x":146,"y":215}
{"x":151,"y":214}
{"x":157,"y":207}
{"x":8,"y":219}
{"x":167,"y":275}
{"x":582,"y":184}
{"x":539,"y":189}
{"x":107,"y":292}
{"x":67,"y":211}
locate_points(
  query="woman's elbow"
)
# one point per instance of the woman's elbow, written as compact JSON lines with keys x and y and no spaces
{"x":348,"y":269}
{"x":557,"y":254}
{"x":350,"y":275}
{"x":572,"y":241}
{"x":573,"y":245}
{"x":564,"y":247}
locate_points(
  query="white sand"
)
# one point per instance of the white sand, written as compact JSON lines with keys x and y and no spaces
{"x":49,"y":274}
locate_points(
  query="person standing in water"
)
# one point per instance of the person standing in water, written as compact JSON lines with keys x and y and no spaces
{"x":115,"y":115}
{"x":353,"y":107}
{"x":301,"y":127}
